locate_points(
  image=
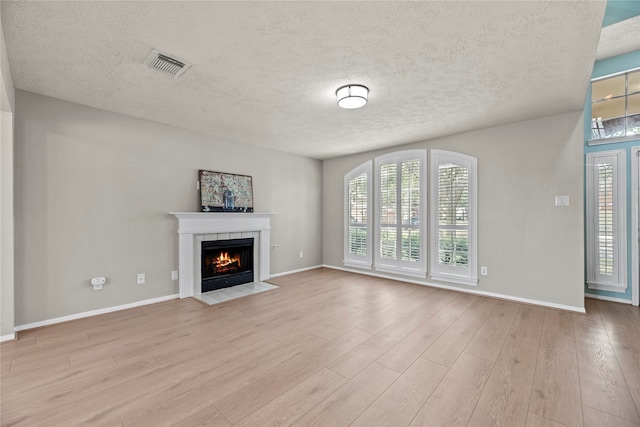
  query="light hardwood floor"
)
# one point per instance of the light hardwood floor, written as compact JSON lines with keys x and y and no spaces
{"x":330,"y":348}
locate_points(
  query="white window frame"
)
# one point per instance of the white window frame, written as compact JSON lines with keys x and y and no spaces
{"x":617,"y":282}
{"x":352,"y":260}
{"x":467,"y":275}
{"x":635,"y":215}
{"x":407,"y":268}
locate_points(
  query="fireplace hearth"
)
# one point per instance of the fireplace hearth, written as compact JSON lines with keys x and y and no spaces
{"x":226,"y":263}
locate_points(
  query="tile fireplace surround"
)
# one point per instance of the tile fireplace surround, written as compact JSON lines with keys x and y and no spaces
{"x":195,"y":227}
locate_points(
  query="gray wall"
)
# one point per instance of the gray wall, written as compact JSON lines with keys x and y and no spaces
{"x":7,"y":313}
{"x":532,"y":249}
{"x":6,"y":194}
{"x":94,"y":188}
{"x":7,"y":94}
{"x":93,"y":194}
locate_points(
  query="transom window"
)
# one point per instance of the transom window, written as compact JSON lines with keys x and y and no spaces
{"x":615,"y":106}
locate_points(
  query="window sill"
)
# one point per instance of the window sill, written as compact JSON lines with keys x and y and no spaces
{"x":402,"y":272}
{"x":356,"y":264}
{"x":603,"y":141}
{"x":609,"y":287}
{"x":459,"y":280}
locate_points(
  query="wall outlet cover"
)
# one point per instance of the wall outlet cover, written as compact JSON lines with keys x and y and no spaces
{"x":99,"y":280}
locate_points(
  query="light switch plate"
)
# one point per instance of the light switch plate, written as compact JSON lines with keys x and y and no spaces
{"x":562,"y":200}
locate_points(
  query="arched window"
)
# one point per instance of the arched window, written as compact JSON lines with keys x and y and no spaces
{"x":453,"y":217}
{"x":392,"y":236}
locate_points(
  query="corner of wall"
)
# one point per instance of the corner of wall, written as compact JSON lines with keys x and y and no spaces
{"x":7,"y":92}
{"x":7,"y":105}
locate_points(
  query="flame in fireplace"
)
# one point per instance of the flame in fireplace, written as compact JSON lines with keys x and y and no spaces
{"x":227,"y":260}
{"x":224,"y":260}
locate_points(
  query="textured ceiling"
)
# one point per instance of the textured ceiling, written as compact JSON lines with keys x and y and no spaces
{"x":619,"y":38}
{"x":265,"y":73}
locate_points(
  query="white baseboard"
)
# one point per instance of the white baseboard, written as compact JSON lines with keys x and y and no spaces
{"x":468,"y":291}
{"x":94,"y":312}
{"x":612,"y":299}
{"x":9,"y":337}
{"x":273,"y":276}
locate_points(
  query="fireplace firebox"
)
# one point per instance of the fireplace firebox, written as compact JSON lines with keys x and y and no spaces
{"x":226,"y":263}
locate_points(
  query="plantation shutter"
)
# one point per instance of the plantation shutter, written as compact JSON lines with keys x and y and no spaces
{"x":453,"y":217}
{"x":388,"y":213}
{"x":358,"y":242}
{"x":410,"y":211}
{"x":358,"y":200}
{"x":606,"y":221}
{"x":400,"y":237}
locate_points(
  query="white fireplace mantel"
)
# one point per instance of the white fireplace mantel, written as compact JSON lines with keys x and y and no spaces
{"x":196,"y":223}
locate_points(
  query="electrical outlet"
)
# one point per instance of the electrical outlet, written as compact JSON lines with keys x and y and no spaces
{"x":140,"y":278}
{"x":301,"y":254}
{"x":484,"y":271}
{"x":174,"y":275}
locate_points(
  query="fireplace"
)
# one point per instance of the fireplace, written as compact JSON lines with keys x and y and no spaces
{"x":226,"y":263}
{"x":196,"y":227}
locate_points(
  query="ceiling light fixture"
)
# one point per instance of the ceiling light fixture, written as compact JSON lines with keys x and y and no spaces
{"x":352,"y":96}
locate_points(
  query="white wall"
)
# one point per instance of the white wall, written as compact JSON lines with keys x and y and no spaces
{"x":93,"y":194}
{"x":6,"y":195}
{"x":533,"y":250}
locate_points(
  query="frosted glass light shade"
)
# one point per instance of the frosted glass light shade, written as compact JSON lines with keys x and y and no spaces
{"x":352,"y":96}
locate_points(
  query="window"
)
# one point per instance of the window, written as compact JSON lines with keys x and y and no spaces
{"x":453,"y":217}
{"x":606,"y":221}
{"x":615,"y":106}
{"x":392,"y":237}
{"x":400,"y":236}
{"x":357,"y":188}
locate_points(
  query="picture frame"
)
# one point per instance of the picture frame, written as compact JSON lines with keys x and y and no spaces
{"x":225,"y":192}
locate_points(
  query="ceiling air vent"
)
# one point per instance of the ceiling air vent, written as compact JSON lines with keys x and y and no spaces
{"x":165,"y":64}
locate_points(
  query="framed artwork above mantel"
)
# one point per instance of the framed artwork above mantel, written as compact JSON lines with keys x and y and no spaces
{"x":225,"y":192}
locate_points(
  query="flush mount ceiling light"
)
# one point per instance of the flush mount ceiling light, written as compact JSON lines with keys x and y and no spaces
{"x":352,"y":96}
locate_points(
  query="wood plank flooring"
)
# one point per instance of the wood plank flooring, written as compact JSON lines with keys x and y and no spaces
{"x":330,"y":348}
